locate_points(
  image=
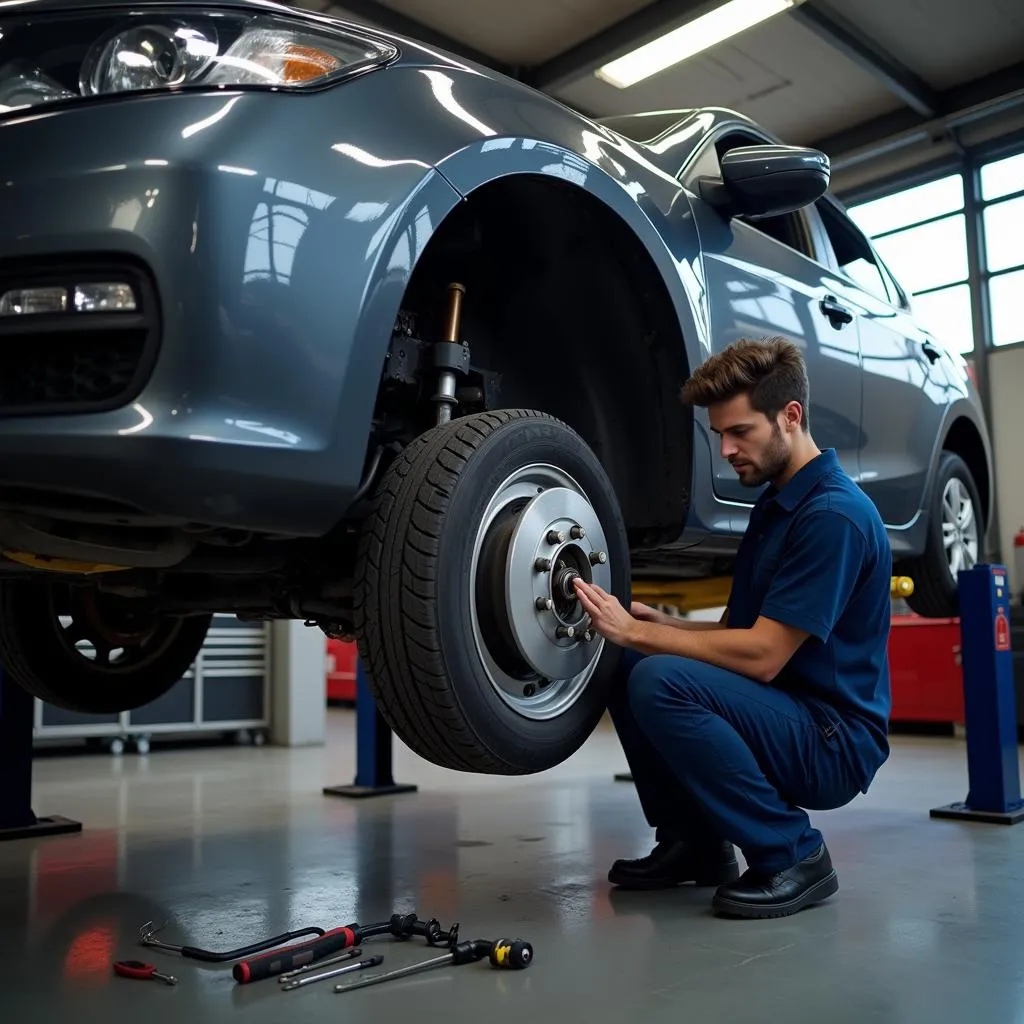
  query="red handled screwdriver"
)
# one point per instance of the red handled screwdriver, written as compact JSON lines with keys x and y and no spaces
{"x":291,"y":957}
{"x":144,"y":972}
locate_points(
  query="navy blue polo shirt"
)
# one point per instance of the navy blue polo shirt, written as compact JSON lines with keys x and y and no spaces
{"x":816,"y":556}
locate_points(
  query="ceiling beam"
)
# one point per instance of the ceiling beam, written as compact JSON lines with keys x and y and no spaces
{"x":634,"y":30}
{"x":958,"y":107}
{"x":376,"y":13}
{"x":842,"y":35}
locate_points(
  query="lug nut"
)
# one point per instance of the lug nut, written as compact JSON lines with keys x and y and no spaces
{"x":598,"y":558}
{"x":529,"y":690}
{"x":564,"y":632}
{"x":544,"y":604}
{"x":556,"y":536}
{"x":577,"y":533}
{"x":542,"y":564}
{"x":588,"y":636}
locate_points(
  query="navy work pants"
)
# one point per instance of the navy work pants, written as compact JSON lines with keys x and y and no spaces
{"x":717,"y":756}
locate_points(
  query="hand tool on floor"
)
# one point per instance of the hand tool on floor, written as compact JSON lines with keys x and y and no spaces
{"x":288,"y":959}
{"x":405,"y":926}
{"x":144,"y":972}
{"x":349,"y":954}
{"x":147,"y":931}
{"x":308,"y":979}
{"x":281,"y":961}
{"x":508,"y":954}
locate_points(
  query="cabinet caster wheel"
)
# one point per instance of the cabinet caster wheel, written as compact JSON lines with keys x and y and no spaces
{"x":116,"y":748}
{"x":142,"y":746}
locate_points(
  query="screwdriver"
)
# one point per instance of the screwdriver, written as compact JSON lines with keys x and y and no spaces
{"x":291,"y":957}
{"x":508,"y":954}
{"x":309,"y":979}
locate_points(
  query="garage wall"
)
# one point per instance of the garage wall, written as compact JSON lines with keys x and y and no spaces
{"x":1006,"y":370}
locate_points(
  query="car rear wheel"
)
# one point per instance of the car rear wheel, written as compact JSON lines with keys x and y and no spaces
{"x":92,"y":653}
{"x":955,"y":541}
{"x":474,"y":643}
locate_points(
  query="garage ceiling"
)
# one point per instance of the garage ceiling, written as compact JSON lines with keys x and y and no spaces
{"x":845,"y":76}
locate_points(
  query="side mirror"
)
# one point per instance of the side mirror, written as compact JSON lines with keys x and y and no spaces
{"x":767,"y":181}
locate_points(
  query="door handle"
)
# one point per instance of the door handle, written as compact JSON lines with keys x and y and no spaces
{"x":933,"y":354}
{"x":837,"y":313}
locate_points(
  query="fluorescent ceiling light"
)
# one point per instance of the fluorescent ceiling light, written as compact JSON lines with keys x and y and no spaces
{"x":725,"y":21}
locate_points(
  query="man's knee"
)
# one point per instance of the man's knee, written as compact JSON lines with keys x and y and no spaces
{"x":661,"y":682}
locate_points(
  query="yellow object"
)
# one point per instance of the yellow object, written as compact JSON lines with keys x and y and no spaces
{"x":692,"y":595}
{"x":306,"y":64}
{"x":61,"y":564}
{"x":686,"y":595}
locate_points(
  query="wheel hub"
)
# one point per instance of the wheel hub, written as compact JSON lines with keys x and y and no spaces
{"x":959,"y":527}
{"x":548,"y":621}
{"x":538,"y":536}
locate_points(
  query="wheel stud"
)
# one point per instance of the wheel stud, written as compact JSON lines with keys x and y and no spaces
{"x":598,"y":558}
{"x":577,"y":533}
{"x":564,"y":632}
{"x":556,"y":536}
{"x":542,"y":564}
{"x":544,"y":604}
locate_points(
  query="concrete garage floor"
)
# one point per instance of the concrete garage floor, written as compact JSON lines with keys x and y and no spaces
{"x":234,"y":844}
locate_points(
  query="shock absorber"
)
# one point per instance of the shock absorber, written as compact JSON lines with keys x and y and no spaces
{"x":450,"y":357}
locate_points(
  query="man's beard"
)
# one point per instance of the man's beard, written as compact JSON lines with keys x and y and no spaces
{"x":772,"y":462}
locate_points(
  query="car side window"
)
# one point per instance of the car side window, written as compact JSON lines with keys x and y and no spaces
{"x":789,"y":229}
{"x":854,"y":254}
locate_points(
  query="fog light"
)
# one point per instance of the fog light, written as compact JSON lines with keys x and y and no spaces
{"x":28,"y":301}
{"x":104,"y":296}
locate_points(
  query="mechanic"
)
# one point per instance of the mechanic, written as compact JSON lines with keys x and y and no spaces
{"x":732,"y":728}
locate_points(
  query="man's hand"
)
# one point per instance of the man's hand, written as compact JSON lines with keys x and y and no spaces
{"x":645,"y":613}
{"x":607,"y":616}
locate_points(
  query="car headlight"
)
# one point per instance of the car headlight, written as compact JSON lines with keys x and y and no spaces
{"x":68,"y":57}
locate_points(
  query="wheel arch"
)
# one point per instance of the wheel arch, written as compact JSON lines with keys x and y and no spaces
{"x":963,"y":437}
{"x":590,"y":295}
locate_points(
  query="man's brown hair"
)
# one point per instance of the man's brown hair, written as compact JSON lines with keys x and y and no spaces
{"x":771,"y":371}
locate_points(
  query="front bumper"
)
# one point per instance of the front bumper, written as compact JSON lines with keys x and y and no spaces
{"x":258,"y":242}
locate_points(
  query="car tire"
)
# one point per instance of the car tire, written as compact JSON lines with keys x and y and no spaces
{"x":103,"y":658}
{"x":466,"y":668}
{"x":936,"y":593}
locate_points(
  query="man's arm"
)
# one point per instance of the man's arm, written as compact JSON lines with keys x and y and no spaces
{"x":809,"y":591}
{"x":819,"y":570}
{"x":760,"y":652}
{"x":645,"y":613}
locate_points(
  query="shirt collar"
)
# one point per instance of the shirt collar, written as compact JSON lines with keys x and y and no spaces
{"x":803,"y":481}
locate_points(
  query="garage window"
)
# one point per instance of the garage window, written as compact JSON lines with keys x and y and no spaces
{"x":921,"y":235}
{"x":1002,"y":195}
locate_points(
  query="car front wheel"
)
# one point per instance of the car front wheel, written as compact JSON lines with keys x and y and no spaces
{"x":475,"y":645}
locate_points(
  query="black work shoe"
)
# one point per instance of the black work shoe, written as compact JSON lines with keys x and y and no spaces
{"x":765,"y":894}
{"x":672,"y":863}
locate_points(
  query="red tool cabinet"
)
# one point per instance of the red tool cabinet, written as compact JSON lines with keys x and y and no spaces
{"x":924,"y":663}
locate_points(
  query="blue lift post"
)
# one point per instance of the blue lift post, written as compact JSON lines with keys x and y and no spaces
{"x":990,"y":704}
{"x":17,"y":820}
{"x":373,"y":749}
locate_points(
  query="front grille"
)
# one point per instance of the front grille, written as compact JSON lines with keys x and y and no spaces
{"x":75,"y":362}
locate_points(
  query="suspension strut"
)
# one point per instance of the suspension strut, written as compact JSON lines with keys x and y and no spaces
{"x":450,"y":357}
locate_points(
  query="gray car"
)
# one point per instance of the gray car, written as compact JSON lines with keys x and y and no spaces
{"x":304,"y":320}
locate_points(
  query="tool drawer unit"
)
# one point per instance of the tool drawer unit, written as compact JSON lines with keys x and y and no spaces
{"x":227,"y":690}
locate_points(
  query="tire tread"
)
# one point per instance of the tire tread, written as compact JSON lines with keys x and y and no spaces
{"x":400,"y":648}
